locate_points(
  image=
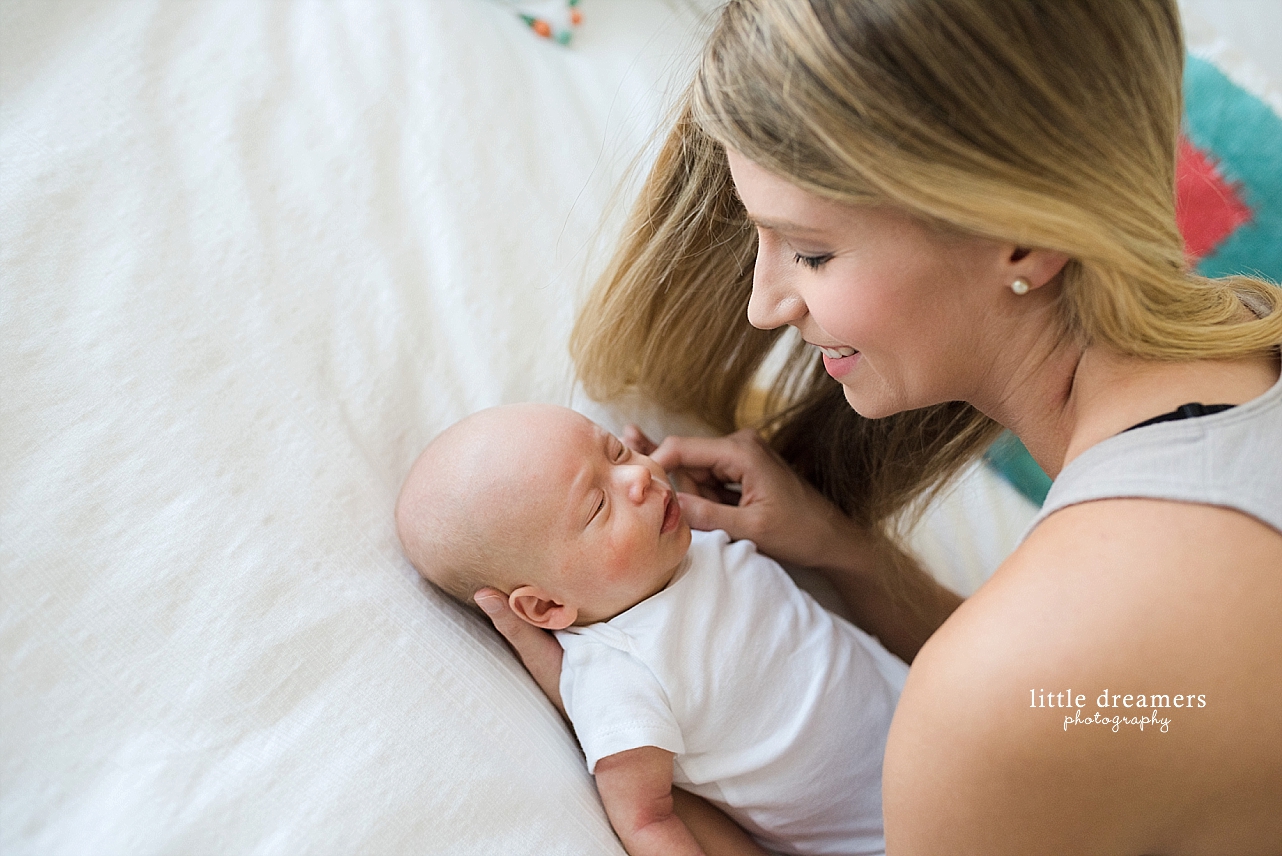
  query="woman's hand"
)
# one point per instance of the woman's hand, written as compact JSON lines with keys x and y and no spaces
{"x":538,"y":649}
{"x":885,"y":591}
{"x":784,"y":515}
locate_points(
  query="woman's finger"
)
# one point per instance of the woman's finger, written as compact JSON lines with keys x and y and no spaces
{"x":636,"y":440}
{"x":538,"y":649}
{"x":784,"y":515}
{"x":726,"y":458}
{"x":684,"y":482}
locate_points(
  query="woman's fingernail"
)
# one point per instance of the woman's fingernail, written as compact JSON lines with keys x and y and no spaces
{"x":489,"y":604}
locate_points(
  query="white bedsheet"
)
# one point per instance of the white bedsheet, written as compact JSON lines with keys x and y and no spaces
{"x":253,"y":256}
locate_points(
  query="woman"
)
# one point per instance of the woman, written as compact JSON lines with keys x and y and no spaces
{"x":966,"y":206}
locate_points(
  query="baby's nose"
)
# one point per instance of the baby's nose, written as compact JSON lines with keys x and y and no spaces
{"x":639,"y":480}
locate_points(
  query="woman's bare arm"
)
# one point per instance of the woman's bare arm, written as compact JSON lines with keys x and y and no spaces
{"x":889,"y":594}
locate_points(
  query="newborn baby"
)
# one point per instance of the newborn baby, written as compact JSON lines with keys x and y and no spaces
{"x":689,"y":659}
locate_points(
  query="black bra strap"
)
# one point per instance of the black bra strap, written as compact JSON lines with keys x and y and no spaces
{"x":1184,"y":411}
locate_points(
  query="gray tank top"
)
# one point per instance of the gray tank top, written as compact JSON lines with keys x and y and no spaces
{"x":1232,"y":458}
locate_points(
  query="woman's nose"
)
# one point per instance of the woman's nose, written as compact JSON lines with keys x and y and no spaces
{"x":774,"y":302}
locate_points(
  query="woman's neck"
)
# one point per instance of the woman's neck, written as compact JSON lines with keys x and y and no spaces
{"x":1032,"y":390}
{"x":1076,"y":397}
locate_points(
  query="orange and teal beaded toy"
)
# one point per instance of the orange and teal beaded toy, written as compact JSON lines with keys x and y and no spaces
{"x":552,"y":20}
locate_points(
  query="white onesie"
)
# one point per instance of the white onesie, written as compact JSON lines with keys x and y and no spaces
{"x":777,"y":710}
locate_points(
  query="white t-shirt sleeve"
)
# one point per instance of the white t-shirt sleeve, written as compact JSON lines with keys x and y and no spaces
{"x":614,"y":701}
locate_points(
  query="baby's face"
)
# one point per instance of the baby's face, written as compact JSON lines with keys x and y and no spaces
{"x":606,"y":515}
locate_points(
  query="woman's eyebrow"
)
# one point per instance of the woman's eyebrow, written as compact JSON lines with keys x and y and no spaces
{"x":784,"y":226}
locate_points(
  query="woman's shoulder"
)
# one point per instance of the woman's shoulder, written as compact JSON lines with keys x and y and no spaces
{"x":1101,"y":691}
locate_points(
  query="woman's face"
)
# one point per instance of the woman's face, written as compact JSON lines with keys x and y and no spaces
{"x":902,"y":312}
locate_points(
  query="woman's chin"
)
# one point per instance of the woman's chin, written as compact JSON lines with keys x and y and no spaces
{"x":869,"y":405}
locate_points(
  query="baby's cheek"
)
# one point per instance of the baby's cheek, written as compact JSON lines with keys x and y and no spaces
{"x":623,"y":556}
{"x":616,"y":563}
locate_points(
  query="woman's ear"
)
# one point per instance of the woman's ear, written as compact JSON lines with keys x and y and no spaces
{"x":537,"y":607}
{"x":1035,"y":266}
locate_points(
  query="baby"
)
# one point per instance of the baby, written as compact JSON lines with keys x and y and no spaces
{"x":689,"y":659}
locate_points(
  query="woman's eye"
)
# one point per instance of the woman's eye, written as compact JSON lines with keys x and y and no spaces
{"x":812,"y":262}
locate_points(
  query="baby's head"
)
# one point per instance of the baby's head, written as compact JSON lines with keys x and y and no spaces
{"x":543,"y":504}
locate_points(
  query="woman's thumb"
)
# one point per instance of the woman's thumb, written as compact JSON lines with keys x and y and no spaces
{"x":506,"y":622}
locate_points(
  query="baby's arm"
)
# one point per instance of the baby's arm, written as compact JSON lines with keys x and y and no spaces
{"x":636,"y":787}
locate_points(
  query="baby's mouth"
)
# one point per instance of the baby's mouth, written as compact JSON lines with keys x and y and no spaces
{"x":671,"y":513}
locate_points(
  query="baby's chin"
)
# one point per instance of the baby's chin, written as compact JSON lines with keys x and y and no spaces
{"x":684,"y":534}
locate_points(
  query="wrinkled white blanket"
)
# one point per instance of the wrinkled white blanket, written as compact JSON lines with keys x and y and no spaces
{"x":255,"y":255}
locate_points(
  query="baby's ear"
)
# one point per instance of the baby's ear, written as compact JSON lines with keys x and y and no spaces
{"x":537,"y":607}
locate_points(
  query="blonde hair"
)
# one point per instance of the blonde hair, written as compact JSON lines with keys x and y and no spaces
{"x":1048,"y":124}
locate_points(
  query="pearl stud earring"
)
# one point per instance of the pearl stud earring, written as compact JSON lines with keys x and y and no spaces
{"x":1020,"y":286}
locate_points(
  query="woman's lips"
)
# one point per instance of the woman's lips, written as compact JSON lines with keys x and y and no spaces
{"x":671,"y":514}
{"x":839,"y":367}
